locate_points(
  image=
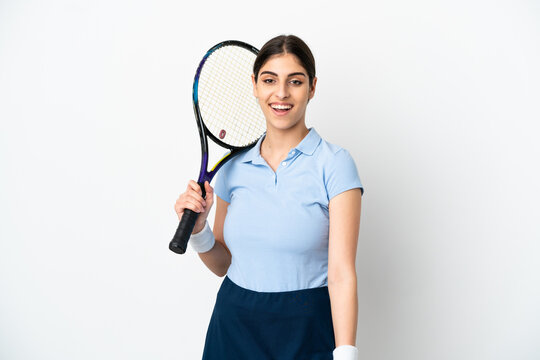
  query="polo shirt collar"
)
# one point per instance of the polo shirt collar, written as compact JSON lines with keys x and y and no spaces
{"x":307,"y":146}
{"x":309,"y":143}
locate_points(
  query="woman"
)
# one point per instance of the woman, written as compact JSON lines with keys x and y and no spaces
{"x":285,"y":230}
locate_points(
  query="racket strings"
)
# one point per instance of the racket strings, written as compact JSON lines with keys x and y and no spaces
{"x":228,"y":108}
{"x":227,"y":112}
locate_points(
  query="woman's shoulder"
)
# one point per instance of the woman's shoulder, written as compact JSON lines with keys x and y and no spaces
{"x":331,"y":153}
{"x":339,"y":169}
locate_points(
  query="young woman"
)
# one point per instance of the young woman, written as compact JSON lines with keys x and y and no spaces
{"x":285,"y":230}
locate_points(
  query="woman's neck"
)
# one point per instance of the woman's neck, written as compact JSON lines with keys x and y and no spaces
{"x":277,"y":143}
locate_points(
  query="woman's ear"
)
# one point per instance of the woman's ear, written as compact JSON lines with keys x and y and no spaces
{"x":312,"y":88}
{"x":254,"y":85}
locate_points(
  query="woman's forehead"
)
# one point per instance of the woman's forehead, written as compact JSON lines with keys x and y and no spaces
{"x":283,"y":63}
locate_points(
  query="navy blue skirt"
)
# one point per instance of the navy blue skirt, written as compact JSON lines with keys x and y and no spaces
{"x":291,"y":325}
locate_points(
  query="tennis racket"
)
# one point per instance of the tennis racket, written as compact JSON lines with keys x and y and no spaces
{"x":226,"y":112}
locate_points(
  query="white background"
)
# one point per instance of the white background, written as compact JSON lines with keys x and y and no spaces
{"x":438,"y":102}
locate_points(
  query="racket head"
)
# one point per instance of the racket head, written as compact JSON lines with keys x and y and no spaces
{"x":223,"y":101}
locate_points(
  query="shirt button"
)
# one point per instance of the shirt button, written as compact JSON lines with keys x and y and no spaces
{"x":284,"y":163}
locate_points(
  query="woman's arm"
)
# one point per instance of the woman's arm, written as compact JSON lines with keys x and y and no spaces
{"x":344,"y":212}
{"x":218,"y":258}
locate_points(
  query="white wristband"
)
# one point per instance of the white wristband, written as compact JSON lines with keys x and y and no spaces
{"x":203,"y":241}
{"x":346,"y":352}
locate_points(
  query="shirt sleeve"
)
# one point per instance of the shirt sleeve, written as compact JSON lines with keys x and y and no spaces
{"x":342,"y":174}
{"x":222,"y":188}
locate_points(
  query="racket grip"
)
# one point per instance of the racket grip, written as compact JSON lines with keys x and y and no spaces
{"x":180,"y":240}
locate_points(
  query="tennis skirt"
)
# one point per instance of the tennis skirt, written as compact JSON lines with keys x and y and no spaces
{"x":252,"y":325}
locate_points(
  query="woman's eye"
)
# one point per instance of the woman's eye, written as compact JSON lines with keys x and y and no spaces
{"x":296,"y":82}
{"x":268,"y":81}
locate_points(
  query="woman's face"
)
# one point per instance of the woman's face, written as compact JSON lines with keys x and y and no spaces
{"x":283,"y":91}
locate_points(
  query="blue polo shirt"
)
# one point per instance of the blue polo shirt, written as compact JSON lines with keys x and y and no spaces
{"x":277,"y":222}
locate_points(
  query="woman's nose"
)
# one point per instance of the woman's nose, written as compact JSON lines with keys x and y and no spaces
{"x":283,"y":91}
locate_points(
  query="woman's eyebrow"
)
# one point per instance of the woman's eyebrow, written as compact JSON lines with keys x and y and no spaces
{"x":291,"y":74}
{"x":297,"y":73}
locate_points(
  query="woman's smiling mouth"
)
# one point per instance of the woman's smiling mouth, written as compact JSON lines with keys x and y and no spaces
{"x":280,"y":109}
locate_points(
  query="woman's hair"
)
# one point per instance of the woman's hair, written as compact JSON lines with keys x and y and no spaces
{"x":286,"y":44}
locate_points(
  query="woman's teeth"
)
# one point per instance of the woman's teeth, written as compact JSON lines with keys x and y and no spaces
{"x":281,"y":107}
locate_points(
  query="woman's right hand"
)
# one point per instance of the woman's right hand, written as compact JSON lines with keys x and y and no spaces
{"x":192,"y":199}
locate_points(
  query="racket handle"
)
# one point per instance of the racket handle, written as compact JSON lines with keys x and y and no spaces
{"x":180,"y":240}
